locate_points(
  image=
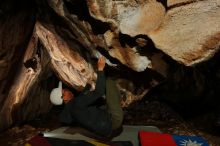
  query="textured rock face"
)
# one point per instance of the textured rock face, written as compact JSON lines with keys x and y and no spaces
{"x":190,"y":33}
{"x":15,"y":78}
{"x":70,"y":66}
{"x":139,"y":40}
{"x":26,"y":95}
{"x":181,"y":32}
{"x":129,"y":17}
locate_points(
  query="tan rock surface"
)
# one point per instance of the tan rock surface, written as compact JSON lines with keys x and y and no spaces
{"x":190,"y":33}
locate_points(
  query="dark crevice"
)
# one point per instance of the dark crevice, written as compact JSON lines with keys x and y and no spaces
{"x":183,"y":4}
{"x":125,"y":39}
{"x":3,"y":55}
{"x":139,"y":79}
{"x":106,"y":54}
{"x":80,"y":9}
{"x":210,"y":66}
{"x":164,"y":3}
{"x":39,"y":46}
{"x":10,"y":7}
{"x":31,"y":63}
{"x":149,"y":49}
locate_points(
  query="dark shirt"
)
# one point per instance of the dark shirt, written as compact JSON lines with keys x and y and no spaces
{"x":81,"y":110}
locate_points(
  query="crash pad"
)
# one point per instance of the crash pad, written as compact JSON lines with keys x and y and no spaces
{"x":163,"y":139}
{"x":39,"y":140}
{"x":68,"y":142}
{"x":129,"y":133}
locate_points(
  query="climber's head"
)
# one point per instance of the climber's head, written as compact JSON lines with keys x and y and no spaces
{"x":60,"y":95}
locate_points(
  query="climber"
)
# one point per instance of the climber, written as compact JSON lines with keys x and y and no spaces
{"x":80,"y":109}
